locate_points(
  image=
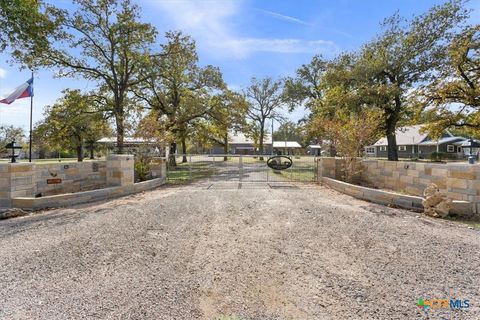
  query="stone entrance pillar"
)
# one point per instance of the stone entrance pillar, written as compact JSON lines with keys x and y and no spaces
{"x":120,"y":171}
{"x":158,"y":168}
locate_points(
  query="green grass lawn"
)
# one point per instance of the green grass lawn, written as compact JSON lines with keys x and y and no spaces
{"x":182,"y":173}
{"x":184,"y":176}
{"x":299,"y":175}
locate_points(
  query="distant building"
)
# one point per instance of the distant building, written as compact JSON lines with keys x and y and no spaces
{"x":314,"y":149}
{"x":133,"y":145}
{"x":411,"y":143}
{"x":238,"y":143}
{"x":321,"y":147}
{"x":286,"y":147}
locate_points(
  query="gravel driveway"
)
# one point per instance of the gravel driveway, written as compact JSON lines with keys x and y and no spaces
{"x":256,"y":252}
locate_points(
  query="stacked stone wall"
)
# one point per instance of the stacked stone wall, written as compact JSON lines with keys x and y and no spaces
{"x":34,"y":185}
{"x":74,"y":177}
{"x":460,"y":181}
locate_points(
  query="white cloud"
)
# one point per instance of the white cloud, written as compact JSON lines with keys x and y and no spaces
{"x":3,"y":73}
{"x":212,"y":24}
{"x":246,"y":46}
{"x":205,"y":20}
{"x":285,"y":17}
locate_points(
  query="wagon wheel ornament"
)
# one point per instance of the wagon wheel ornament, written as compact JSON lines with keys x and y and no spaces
{"x":279,"y":162}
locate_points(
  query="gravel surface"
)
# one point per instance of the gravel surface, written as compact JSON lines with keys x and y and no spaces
{"x":256,"y":252}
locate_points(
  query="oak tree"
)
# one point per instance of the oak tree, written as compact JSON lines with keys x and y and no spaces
{"x":177,"y":88}
{"x":103,"y":41}
{"x":405,"y":55}
{"x":72,"y":122}
{"x":265,"y":98}
{"x":452,"y":99}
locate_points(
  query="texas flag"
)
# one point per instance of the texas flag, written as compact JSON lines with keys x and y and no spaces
{"x":23,"y":91}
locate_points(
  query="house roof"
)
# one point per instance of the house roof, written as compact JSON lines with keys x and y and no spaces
{"x":286,"y":144}
{"x":452,"y":140}
{"x":129,"y":140}
{"x":405,"y":136}
{"x":240,"y":138}
{"x":315,"y":146}
{"x":467,"y":143}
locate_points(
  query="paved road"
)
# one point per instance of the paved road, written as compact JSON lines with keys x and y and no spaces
{"x":250,"y":251}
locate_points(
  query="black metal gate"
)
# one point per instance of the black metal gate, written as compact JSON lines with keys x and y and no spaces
{"x":238,"y":168}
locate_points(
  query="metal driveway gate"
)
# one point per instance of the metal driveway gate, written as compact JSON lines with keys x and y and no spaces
{"x":238,"y":168}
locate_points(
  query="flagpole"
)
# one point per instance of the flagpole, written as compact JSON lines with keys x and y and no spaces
{"x":31,"y":110}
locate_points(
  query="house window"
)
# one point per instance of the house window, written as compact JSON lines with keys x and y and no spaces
{"x":402,"y":148}
{"x":383,"y":148}
{"x":370,"y":149}
{"x":459,"y":149}
{"x":450,"y":148}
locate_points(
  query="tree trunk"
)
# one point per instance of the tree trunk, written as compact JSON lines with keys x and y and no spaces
{"x":184,"y":150}
{"x":92,"y":156}
{"x":120,"y":133}
{"x":171,"y":155}
{"x":392,"y":150}
{"x":333,"y":150}
{"x":80,"y":152}
{"x":225,"y":147}
{"x":391,"y":126}
{"x":260,"y":144}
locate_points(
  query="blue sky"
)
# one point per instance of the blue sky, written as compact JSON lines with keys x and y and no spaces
{"x":245,"y":38}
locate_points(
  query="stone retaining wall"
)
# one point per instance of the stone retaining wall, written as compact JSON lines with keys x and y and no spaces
{"x":31,"y":185}
{"x":460,"y":182}
{"x":389,"y":198}
{"x":75,"y":177}
{"x":68,"y":199}
{"x":375,"y":195}
{"x":334,"y":168}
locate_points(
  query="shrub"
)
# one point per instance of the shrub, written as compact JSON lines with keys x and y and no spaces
{"x":142,"y":166}
{"x":142,"y":170}
{"x":352,"y":132}
{"x":67,"y":154}
{"x":439,"y":156}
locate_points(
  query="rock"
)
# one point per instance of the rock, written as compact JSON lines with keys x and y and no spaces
{"x":431,"y":190}
{"x":444,"y":207}
{"x":436,"y":204}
